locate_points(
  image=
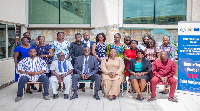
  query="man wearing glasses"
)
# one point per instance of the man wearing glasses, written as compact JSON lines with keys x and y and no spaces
{"x":61,"y":70}
{"x":86,"y":67}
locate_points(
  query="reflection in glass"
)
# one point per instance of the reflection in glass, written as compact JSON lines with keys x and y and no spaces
{"x":2,"y":41}
{"x":59,"y":11}
{"x":43,"y":11}
{"x":75,"y":11}
{"x":170,"y":11}
{"x":11,"y":40}
{"x":138,"y":12}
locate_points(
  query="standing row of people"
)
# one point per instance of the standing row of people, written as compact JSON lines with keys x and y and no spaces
{"x":111,"y":67}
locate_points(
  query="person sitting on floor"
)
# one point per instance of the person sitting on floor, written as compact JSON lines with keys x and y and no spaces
{"x":86,"y":67}
{"x":32,"y":68}
{"x":163,"y":70}
{"x":61,"y":70}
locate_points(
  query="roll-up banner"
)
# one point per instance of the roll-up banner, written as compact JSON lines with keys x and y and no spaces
{"x":189,"y":56}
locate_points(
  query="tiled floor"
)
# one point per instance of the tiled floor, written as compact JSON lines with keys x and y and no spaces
{"x":187,"y":101}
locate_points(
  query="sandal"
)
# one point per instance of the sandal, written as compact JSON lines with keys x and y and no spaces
{"x":33,"y":87}
{"x":151,"y":99}
{"x":28,"y":91}
{"x":138,"y":97}
{"x":166,"y":91}
{"x":63,"y":89}
{"x":172,"y":99}
{"x":59,"y":89}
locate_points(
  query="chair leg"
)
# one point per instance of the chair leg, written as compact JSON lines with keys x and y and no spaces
{"x":128,"y":88}
{"x":122,"y":90}
{"x":71,"y":90}
{"x":104,"y":90}
{"x":147,"y":90}
{"x":42,"y":89}
{"x":93,"y":87}
{"x":23,"y":93}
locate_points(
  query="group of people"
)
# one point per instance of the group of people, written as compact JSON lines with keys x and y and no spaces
{"x":96,"y":61}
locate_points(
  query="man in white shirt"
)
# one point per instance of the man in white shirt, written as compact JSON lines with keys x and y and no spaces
{"x":61,"y":70}
{"x":32,"y":68}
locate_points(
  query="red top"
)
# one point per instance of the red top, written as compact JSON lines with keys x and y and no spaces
{"x":163,"y":69}
{"x":130,"y":54}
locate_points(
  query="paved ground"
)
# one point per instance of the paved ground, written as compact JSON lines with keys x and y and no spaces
{"x":188,"y":101}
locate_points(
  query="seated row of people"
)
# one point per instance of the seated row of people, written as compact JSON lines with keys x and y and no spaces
{"x":32,"y":68}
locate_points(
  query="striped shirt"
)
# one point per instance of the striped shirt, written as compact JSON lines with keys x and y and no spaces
{"x":29,"y":65}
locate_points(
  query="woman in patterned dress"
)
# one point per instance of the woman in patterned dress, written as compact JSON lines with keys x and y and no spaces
{"x":117,"y":45}
{"x":99,"y":48}
{"x":45,"y":52}
{"x":61,"y":45}
{"x":151,"y":52}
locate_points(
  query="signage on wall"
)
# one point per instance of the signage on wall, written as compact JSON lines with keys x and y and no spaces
{"x":189,"y":56}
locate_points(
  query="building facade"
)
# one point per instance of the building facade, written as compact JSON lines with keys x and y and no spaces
{"x":128,"y":17}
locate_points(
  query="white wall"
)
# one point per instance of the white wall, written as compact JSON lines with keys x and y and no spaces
{"x":106,"y":12}
{"x":7,"y":71}
{"x":12,"y":11}
{"x":195,"y":10}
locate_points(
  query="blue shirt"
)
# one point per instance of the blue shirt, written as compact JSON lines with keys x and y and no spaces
{"x":23,"y":51}
{"x":138,"y":66}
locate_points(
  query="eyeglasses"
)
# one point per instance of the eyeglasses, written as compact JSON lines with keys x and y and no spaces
{"x":61,"y":55}
{"x":150,"y":43}
{"x":26,"y":40}
{"x":86,"y":50}
{"x":101,"y":37}
{"x":42,"y":39}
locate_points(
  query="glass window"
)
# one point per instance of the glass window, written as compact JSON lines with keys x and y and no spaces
{"x":59,"y":11}
{"x":138,"y":12}
{"x":2,"y":41}
{"x":142,"y":11}
{"x":43,"y":11}
{"x":170,"y":11}
{"x":75,"y":11}
{"x":11,"y":40}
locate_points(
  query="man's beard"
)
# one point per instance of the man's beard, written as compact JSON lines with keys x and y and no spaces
{"x":33,"y":56}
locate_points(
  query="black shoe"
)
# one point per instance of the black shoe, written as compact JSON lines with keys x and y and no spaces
{"x":66,"y":96}
{"x":96,"y":97}
{"x":110,"y":99}
{"x":166,"y":91}
{"x":91,"y":86}
{"x":55,"y":96}
{"x":33,"y":87}
{"x":40,"y":90}
{"x":74,"y":96}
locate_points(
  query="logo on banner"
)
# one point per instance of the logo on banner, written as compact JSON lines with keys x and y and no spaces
{"x":189,"y":28}
{"x":196,"y":29}
{"x":182,"y":29}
